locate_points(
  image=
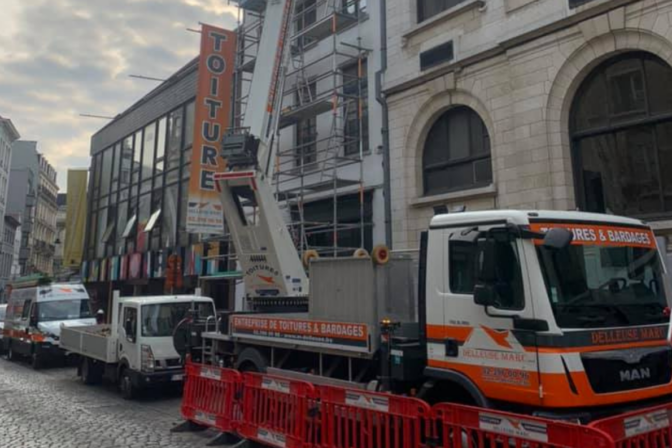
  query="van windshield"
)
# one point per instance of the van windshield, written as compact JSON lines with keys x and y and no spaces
{"x":63,"y":310}
{"x":593,"y":286}
{"x":161,"y":319}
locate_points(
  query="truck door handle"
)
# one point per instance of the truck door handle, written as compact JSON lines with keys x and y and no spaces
{"x":452,"y":348}
{"x":121,"y":347}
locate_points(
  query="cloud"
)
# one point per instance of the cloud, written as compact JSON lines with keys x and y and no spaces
{"x":62,"y":58}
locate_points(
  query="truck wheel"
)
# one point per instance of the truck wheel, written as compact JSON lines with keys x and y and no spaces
{"x":10,"y":353}
{"x":251,"y":360}
{"x":90,"y":372}
{"x":126,"y":387}
{"x":36,"y":361}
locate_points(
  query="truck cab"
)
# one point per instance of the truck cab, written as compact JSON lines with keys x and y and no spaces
{"x":146,"y":326}
{"x":546,"y":310}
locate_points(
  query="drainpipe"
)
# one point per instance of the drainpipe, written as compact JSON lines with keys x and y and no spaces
{"x":385,"y":129}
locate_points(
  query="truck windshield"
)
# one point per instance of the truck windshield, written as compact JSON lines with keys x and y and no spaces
{"x":63,"y":310}
{"x":161,"y":319}
{"x":593,"y":286}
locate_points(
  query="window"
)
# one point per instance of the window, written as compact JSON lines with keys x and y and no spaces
{"x":577,"y":3}
{"x":169,"y":231}
{"x":131,"y":320}
{"x":160,"y":320}
{"x":174,"y":139}
{"x":189,"y":126}
{"x":148,"y":158}
{"x":106,"y":172}
{"x":430,"y":8}
{"x":306,"y":130}
{"x":356,"y":93}
{"x":137,"y":157}
{"x":463,"y":264}
{"x":160,"y":149}
{"x":306,"y":14}
{"x":115,"y":168}
{"x":354,"y":7}
{"x":353,"y":223}
{"x":26,"y":309}
{"x":621,"y":138}
{"x":457,"y":153}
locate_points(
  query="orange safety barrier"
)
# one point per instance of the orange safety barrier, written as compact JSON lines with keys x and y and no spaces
{"x":276,"y":411}
{"x":648,"y":428}
{"x":358,"y":419}
{"x":211,"y":396}
{"x":466,"y":427}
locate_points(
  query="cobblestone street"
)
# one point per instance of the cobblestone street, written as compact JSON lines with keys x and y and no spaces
{"x":51,"y":408}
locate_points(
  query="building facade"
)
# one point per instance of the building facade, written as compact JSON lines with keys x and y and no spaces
{"x":59,"y":242}
{"x":8,"y":135}
{"x":7,"y":252}
{"x":44,"y":233}
{"x":329,"y":172}
{"x":22,"y":198}
{"x":541,"y":104}
{"x":137,"y":199}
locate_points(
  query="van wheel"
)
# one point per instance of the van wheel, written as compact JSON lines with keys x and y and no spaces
{"x":126,"y":387}
{"x":36,"y":361}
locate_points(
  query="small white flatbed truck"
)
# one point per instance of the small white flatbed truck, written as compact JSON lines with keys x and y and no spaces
{"x":136,"y":349}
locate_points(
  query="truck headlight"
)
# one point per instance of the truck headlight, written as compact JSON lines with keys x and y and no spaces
{"x":146,"y":358}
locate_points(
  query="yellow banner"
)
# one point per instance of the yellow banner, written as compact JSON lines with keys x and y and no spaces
{"x":75,"y":218}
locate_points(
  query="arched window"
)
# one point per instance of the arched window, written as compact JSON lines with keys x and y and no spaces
{"x":457,"y":153}
{"x":621,"y":129}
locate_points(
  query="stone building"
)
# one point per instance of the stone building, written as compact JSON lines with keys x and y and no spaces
{"x":560,"y":104}
{"x":45,"y":218}
{"x":21,"y":200}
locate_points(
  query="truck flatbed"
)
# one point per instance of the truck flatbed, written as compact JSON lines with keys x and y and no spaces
{"x":94,"y":341}
{"x":299,"y":329}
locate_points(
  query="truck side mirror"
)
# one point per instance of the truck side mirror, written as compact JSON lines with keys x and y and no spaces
{"x":558,"y":238}
{"x":485,"y":295}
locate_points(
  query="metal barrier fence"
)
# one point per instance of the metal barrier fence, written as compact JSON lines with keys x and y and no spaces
{"x":294,"y":414}
{"x":212,"y":396}
{"x":648,"y":428}
{"x":275,"y":411}
{"x":466,"y":427}
{"x":357,"y":419}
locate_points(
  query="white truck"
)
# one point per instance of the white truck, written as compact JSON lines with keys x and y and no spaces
{"x":136,"y":349}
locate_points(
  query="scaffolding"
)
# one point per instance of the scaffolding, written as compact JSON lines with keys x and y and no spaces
{"x":324,"y":76}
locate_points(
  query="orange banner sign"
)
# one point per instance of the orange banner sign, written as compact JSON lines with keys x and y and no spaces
{"x":603,"y":235}
{"x":213,"y":98}
{"x":352,"y":336}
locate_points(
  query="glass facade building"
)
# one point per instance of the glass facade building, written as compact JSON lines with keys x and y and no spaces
{"x":138,"y":193}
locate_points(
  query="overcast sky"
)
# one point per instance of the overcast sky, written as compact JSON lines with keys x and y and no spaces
{"x":60,"y":58}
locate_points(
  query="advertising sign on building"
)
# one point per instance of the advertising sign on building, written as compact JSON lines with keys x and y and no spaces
{"x":75,"y":218}
{"x":213,"y":98}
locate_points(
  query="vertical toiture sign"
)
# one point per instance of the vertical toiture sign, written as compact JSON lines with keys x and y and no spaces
{"x":213,"y":100}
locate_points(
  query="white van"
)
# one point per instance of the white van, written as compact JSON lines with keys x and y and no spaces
{"x":35,"y":315}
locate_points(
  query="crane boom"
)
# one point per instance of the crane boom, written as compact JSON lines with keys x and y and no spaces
{"x":266,"y":252}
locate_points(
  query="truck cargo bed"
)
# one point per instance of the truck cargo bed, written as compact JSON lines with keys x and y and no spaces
{"x":94,"y":341}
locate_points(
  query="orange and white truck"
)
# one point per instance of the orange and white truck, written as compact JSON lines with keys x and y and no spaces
{"x":562,"y":313}
{"x":558,"y":313}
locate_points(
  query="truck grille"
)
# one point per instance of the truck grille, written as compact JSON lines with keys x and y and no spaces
{"x":628,"y":369}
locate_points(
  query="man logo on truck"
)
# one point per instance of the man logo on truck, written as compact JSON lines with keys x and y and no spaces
{"x":635,"y":374}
